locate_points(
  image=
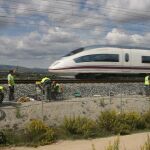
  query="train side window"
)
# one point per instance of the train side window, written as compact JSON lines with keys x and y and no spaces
{"x":126,"y":57}
{"x":98,"y":58}
{"x":145,"y":59}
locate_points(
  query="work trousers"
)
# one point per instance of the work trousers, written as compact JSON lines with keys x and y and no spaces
{"x":147,"y":90}
{"x":11,"y":93}
{"x":1,"y":97}
{"x":47,"y":92}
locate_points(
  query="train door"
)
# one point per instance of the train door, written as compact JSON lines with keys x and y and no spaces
{"x":126,"y":60}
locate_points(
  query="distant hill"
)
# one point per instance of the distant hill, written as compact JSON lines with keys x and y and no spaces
{"x":6,"y":68}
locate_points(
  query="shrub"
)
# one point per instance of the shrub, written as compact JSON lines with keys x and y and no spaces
{"x":122,"y":123}
{"x":48,"y":137}
{"x":15,"y":137}
{"x":127,"y":122}
{"x":146,"y":119}
{"x":132,"y":119}
{"x":79,"y":126}
{"x":107,"y":120}
{"x":122,"y":129}
{"x":38,"y":132}
{"x":2,"y":138}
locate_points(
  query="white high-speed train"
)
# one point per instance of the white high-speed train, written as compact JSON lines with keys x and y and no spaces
{"x":103,"y":59}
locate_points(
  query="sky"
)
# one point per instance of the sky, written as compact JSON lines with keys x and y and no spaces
{"x":35,"y":33}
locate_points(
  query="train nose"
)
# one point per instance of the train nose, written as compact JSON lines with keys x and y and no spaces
{"x":54,"y":66}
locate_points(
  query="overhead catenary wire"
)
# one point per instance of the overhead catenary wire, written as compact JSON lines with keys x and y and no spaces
{"x":103,"y":31}
{"x":62,"y":26}
{"x":97,"y":40}
{"x":83,"y":16}
{"x":85,"y":27}
{"x":76,"y":3}
{"x":90,"y":38}
{"x":77,"y":15}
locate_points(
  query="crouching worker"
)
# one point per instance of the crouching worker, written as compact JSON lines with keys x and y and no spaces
{"x":46,"y":88}
{"x":57,"y":91}
{"x":2,"y":89}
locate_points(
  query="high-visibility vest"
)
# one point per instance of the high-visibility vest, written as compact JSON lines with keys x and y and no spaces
{"x":59,"y":88}
{"x":11,"y":81}
{"x":147,"y":80}
{"x":1,"y":88}
{"x":44,"y":79}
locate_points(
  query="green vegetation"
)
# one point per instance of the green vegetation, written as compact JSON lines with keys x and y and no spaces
{"x":114,"y":146}
{"x":122,"y":123}
{"x":102,"y":102}
{"x":18,"y":113}
{"x":108,"y":123}
{"x":146,"y":146}
{"x":146,"y":119}
{"x":38,"y":132}
{"x":80,"y":126}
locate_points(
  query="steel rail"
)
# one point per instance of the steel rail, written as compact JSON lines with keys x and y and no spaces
{"x":33,"y":81}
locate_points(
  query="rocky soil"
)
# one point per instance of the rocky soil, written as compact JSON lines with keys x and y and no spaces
{"x":86,"y":90}
{"x":16,"y":115}
{"x":95,"y":98}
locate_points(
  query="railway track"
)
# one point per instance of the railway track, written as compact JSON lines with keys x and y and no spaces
{"x":121,"y":80}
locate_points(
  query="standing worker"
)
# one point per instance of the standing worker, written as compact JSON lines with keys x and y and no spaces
{"x":147,"y":84}
{"x":1,"y":94}
{"x":53,"y":94}
{"x":46,"y":87}
{"x":11,"y":84}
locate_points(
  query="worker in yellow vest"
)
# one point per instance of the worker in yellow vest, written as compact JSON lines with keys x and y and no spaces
{"x":1,"y":94}
{"x":147,"y":85}
{"x":56,"y":90}
{"x":11,"y":84}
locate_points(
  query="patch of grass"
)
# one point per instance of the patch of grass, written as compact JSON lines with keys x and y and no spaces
{"x":102,"y":102}
{"x":114,"y":146}
{"x":93,"y":147}
{"x":18,"y":113}
{"x":146,"y":145}
{"x":146,"y":119}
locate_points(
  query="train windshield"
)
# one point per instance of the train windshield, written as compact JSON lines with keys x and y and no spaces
{"x":75,"y":52}
{"x":83,"y":49}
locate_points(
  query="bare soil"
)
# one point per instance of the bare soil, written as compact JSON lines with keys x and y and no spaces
{"x":128,"y":142}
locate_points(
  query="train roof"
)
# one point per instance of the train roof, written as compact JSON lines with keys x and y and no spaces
{"x":103,"y":46}
{"x":115,"y":46}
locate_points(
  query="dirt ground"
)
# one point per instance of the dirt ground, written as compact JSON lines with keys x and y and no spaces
{"x":128,"y":142}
